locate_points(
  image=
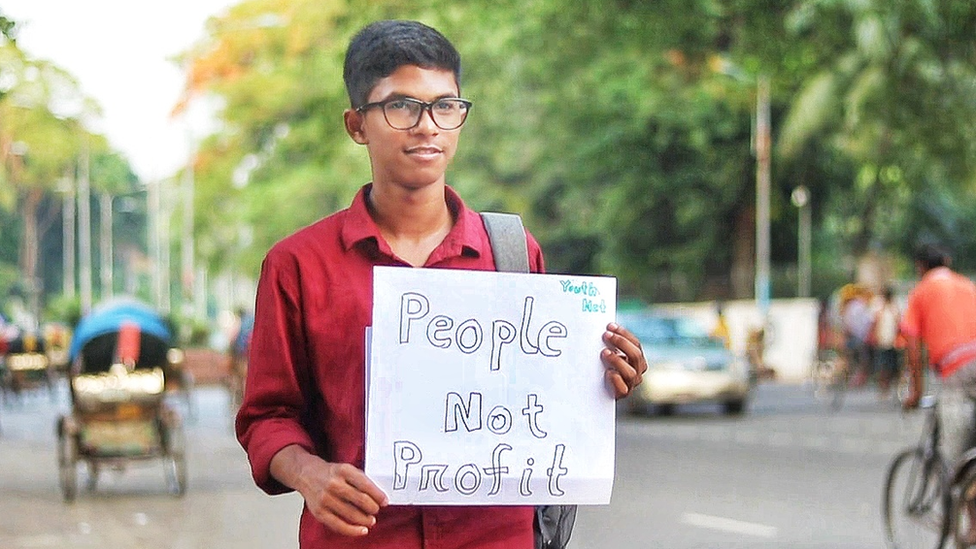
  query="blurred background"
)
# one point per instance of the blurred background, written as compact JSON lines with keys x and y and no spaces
{"x":739,"y":162}
{"x":711,"y":150}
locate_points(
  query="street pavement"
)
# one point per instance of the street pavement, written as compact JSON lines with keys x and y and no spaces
{"x":132,"y":508}
{"x":788,"y":473}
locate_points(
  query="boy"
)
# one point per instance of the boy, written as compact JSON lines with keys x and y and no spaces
{"x":303,"y":415}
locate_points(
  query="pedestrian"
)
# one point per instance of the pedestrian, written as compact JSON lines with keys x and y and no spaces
{"x":302,"y":419}
{"x":885,"y":340}
{"x":941,"y":315}
{"x":856,"y":320}
{"x":237,"y":353}
{"x":720,"y":330}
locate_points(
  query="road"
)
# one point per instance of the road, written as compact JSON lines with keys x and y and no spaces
{"x":787,"y":474}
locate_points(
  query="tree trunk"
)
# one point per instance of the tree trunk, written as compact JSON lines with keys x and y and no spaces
{"x":743,"y":254}
{"x":30,"y":250}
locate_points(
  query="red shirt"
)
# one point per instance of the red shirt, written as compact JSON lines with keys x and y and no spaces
{"x":306,"y":373}
{"x":941,"y":311}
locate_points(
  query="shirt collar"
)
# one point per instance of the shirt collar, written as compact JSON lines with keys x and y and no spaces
{"x":467,"y":237}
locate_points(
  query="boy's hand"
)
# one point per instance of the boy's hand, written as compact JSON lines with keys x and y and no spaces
{"x":624,"y":360}
{"x":338,"y":495}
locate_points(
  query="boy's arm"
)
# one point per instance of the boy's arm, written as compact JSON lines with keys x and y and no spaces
{"x":270,"y":416}
{"x":914,"y":360}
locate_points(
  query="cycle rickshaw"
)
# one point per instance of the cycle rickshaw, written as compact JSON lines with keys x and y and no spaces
{"x":26,"y":366}
{"x":121,"y":355}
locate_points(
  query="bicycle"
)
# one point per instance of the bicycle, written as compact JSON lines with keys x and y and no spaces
{"x":936,"y":500}
{"x":917,"y":499}
{"x":829,"y":376}
{"x":836,"y":379}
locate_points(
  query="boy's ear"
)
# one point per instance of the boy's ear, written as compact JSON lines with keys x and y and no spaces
{"x":354,"y":126}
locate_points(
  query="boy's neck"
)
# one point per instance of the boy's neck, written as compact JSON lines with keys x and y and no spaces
{"x":413,"y":221}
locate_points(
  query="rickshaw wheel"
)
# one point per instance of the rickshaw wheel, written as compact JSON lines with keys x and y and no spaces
{"x":67,"y":461}
{"x":174,"y":453}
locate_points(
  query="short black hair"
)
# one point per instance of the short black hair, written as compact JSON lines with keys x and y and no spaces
{"x":932,"y":255}
{"x":380,"y":48}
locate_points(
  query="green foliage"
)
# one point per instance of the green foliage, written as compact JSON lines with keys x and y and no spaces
{"x":42,"y":138}
{"x":621,"y":130}
{"x":890,"y":92}
{"x":7,"y":27}
{"x":64,"y":309}
{"x":188,"y":332}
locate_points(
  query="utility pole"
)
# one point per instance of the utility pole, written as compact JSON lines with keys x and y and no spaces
{"x":165,"y":252}
{"x":188,"y":269}
{"x":84,"y":233}
{"x":801,"y":199}
{"x":68,"y":235}
{"x":152,"y":198}
{"x":106,"y":254}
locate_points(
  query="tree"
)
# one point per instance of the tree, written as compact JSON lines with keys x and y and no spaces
{"x":621,"y":130}
{"x":893,"y":92}
{"x":41,"y":136}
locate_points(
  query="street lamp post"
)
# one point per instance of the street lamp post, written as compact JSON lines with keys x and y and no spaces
{"x":187,"y":265}
{"x":66,"y":187}
{"x":84,"y":231}
{"x":159,"y":244}
{"x":106,"y":254}
{"x":801,"y":199}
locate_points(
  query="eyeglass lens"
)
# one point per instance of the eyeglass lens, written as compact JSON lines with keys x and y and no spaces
{"x":404,"y":114}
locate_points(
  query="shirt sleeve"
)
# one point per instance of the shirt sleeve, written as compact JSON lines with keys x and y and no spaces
{"x":270,"y":417}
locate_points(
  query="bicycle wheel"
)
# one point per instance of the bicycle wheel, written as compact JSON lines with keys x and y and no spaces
{"x":963,"y":515}
{"x":916,"y":499}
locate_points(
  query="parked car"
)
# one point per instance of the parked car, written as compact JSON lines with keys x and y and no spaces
{"x":685,"y":365}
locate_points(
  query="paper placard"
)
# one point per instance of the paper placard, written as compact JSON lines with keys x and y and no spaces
{"x":487,"y":388}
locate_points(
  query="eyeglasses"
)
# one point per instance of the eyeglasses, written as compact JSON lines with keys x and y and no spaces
{"x":404,"y":113}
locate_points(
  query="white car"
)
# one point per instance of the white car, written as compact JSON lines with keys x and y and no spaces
{"x":685,"y":365}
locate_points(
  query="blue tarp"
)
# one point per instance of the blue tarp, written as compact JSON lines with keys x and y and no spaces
{"x":109,"y":316}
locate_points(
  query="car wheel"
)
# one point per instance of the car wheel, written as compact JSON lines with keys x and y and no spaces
{"x":734,"y":407}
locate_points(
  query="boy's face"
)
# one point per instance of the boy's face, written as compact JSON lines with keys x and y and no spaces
{"x":412,"y":158}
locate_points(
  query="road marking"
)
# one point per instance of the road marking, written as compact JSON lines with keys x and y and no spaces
{"x":729,"y":525}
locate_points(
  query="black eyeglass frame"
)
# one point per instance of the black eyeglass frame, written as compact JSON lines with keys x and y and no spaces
{"x":424,"y":106}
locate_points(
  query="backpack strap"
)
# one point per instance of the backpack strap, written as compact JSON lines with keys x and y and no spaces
{"x":507,"y":237}
{"x":553,"y":524}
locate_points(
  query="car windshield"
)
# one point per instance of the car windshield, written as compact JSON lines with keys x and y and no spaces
{"x":660,"y":330}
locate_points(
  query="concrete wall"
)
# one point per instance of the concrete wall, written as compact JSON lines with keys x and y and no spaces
{"x":791,"y":340}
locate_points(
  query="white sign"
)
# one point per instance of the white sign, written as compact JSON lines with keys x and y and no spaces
{"x":488,"y":388}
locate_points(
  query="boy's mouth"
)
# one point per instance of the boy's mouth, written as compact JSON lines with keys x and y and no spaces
{"x":424,"y":151}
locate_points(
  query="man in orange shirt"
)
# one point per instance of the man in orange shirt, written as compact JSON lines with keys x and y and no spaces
{"x":941,"y":314}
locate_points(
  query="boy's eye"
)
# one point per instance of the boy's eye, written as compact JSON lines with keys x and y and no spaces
{"x":401,"y":105}
{"x":445,"y":106}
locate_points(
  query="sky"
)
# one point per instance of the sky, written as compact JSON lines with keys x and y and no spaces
{"x":120,"y":52}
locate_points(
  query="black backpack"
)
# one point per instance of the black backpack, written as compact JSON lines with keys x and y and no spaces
{"x":553,"y":523}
